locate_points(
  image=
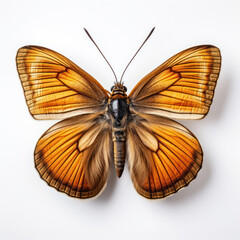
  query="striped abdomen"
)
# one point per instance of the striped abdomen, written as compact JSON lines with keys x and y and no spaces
{"x":119,"y":148}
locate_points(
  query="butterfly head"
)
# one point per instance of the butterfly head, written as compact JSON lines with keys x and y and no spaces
{"x":118,"y":89}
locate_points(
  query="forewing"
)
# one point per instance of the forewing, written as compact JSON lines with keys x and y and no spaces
{"x":163,"y":156}
{"x":56,"y":88}
{"x":182,"y":87}
{"x":73,"y":156}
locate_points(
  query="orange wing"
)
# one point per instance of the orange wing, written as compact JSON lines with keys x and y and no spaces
{"x":73,"y":156}
{"x":182,"y":87}
{"x":163,"y":155}
{"x":55,"y":87}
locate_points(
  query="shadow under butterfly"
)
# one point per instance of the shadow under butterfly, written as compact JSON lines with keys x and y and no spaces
{"x":74,"y":155}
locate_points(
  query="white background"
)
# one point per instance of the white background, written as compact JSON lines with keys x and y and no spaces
{"x":209,"y":208}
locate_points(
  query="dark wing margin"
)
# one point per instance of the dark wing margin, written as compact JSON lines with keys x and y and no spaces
{"x":182,"y":87}
{"x":55,"y":87}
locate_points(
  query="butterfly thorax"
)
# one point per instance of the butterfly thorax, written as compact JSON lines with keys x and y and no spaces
{"x":118,"y":110}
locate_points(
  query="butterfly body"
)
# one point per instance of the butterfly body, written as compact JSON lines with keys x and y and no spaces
{"x":119,"y":111}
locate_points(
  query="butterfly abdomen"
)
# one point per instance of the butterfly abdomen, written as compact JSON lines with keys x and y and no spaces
{"x":119,"y":149}
{"x":118,"y":109}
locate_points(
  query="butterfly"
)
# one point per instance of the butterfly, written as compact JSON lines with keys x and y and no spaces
{"x":98,"y":127}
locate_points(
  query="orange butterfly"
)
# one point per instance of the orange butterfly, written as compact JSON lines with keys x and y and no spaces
{"x":74,"y":155}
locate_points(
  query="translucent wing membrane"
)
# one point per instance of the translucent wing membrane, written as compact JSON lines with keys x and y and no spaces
{"x":55,"y":87}
{"x":73,"y":156}
{"x":163,"y":155}
{"x":182,"y":87}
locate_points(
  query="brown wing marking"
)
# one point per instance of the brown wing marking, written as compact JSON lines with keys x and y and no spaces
{"x":163,"y":156}
{"x":55,"y":87}
{"x":182,"y":87}
{"x":73,"y":156}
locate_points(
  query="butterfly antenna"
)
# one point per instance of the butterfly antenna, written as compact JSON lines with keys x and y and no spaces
{"x":101,"y":53}
{"x":136,"y":53}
